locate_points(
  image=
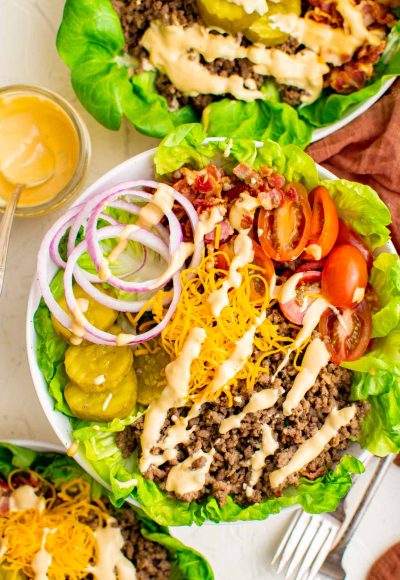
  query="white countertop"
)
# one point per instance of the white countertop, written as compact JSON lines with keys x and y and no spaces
{"x":236,"y":552}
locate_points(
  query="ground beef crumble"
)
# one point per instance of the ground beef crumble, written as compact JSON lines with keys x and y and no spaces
{"x":230,"y":471}
{"x":150,"y":559}
{"x":136,"y":17}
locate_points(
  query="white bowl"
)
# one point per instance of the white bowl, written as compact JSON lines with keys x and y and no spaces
{"x":138,"y":167}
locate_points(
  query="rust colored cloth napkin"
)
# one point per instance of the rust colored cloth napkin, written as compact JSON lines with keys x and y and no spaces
{"x":368,"y":150}
{"x":387,"y":567}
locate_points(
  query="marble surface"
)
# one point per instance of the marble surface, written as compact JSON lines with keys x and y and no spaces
{"x":236,"y":552}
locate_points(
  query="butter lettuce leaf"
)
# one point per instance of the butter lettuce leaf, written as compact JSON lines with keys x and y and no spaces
{"x":362,"y":209}
{"x":377,"y":373}
{"x":259,"y":119}
{"x":91,"y":42}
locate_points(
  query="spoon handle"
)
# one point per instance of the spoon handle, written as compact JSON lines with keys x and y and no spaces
{"x":5,"y":230}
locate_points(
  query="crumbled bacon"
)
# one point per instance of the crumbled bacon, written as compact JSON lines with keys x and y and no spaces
{"x":325,"y":13}
{"x":225,"y":233}
{"x":251,"y":177}
{"x":271,"y":199}
{"x":276,"y":180}
{"x":377,"y":13}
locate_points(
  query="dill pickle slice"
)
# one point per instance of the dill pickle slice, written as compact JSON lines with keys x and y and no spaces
{"x":105,"y":406}
{"x":263,"y":30}
{"x":226,"y":15}
{"x":150,"y":375}
{"x":97,"y":314}
{"x":96,"y":368}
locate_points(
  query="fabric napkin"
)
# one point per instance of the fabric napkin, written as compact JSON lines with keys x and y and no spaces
{"x":387,"y":567}
{"x":368,"y":150}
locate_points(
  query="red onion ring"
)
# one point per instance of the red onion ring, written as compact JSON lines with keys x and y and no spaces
{"x":87,"y":216}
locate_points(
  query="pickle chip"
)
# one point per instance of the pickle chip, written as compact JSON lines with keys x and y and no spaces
{"x":226,"y":15}
{"x":96,"y":368}
{"x":104,"y":406}
{"x":150,"y":375}
{"x":97,"y":314}
{"x":267,"y":32}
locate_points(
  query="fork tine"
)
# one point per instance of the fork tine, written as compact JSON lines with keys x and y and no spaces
{"x":319,"y":540}
{"x":307,"y":537}
{"x":286,"y":536}
{"x":324,"y":551}
{"x":293,"y":540}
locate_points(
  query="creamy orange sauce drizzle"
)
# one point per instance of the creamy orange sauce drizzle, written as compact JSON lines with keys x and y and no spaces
{"x":175,"y":50}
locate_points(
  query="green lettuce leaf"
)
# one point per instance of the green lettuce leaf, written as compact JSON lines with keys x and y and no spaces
{"x":260,"y":120}
{"x":91,"y":42}
{"x":360,"y":207}
{"x":186,"y":563}
{"x":377,"y":373}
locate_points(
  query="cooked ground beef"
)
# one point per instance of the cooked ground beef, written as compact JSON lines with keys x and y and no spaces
{"x":230,"y":471}
{"x":150,"y":559}
{"x":136,"y":18}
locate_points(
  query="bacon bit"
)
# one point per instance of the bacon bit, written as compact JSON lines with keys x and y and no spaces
{"x":189,"y":175}
{"x":276,"y":180}
{"x":266,"y":171}
{"x":248,"y":174}
{"x":270,"y":199}
{"x":4,"y":504}
{"x":247,"y":221}
{"x":226,"y":231}
{"x":234,"y":192}
{"x":353,"y":75}
{"x":204,"y":184}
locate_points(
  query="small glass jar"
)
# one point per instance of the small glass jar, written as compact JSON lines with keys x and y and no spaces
{"x":70,"y":191}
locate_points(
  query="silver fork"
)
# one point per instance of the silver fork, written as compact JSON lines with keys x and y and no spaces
{"x":309,"y":539}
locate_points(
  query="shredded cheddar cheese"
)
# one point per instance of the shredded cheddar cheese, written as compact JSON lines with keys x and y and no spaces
{"x":70,"y":542}
{"x":226,"y":330}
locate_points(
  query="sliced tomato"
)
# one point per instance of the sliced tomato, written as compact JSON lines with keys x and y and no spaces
{"x":324,"y":224}
{"x":309,"y":284}
{"x":348,"y":334}
{"x":283,"y":232}
{"x":344,"y":277}
{"x":260,"y":259}
{"x":348,"y":236}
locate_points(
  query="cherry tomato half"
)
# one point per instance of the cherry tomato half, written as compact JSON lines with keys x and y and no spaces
{"x":344,"y":277}
{"x":349,"y":334}
{"x":324,"y":224}
{"x":284,"y":232}
{"x":348,"y":236}
{"x":309,"y":284}
{"x":260,"y":259}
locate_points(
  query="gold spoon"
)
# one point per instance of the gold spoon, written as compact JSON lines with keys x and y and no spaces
{"x":33,"y":167}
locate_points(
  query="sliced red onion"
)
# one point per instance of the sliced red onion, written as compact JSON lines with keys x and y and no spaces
{"x":86,"y":216}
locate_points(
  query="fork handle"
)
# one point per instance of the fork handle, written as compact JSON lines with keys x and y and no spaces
{"x":380,"y":470}
{"x":5,"y":230}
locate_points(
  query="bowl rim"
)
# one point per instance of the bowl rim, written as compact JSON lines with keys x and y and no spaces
{"x":72,"y":189}
{"x":61,"y":426}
